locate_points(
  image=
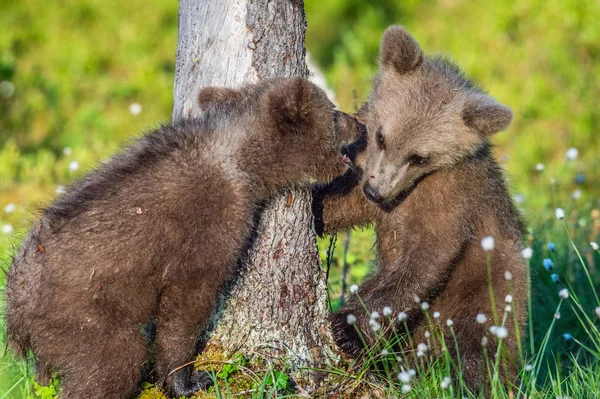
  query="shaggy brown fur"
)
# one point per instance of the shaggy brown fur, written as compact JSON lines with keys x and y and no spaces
{"x":429,"y":167}
{"x":154,"y":233}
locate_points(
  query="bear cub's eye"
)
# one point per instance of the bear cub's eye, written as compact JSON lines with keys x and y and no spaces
{"x":419,"y":160}
{"x":380,"y":141}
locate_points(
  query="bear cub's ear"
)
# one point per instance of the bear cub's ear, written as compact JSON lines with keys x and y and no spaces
{"x":400,"y":50}
{"x":486,"y":115}
{"x":290,"y":103}
{"x":217,"y":96}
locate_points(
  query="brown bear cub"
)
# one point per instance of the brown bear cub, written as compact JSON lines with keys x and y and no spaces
{"x":155,"y":232}
{"x":435,"y":192}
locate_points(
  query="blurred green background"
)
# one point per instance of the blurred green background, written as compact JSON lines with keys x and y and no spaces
{"x":78,"y":79}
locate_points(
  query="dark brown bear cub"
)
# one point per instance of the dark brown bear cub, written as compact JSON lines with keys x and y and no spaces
{"x":435,"y":193}
{"x":154,"y":233}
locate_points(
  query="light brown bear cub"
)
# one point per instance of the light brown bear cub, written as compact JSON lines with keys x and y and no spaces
{"x":435,"y":193}
{"x":155,"y":232}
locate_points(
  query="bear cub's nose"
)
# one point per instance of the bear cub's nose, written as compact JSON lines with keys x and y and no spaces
{"x":371,"y":193}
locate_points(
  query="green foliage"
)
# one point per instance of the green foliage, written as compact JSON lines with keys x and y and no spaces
{"x":46,"y":392}
{"x":232,"y":366}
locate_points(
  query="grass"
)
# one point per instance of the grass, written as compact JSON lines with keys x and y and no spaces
{"x":70,"y":75}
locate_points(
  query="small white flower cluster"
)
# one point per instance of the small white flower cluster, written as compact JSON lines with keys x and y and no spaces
{"x":425,"y":306}
{"x":507,"y":275}
{"x":528,"y":367}
{"x":436,"y":315}
{"x":405,"y":377}
{"x":594,"y":245}
{"x":353,"y":289}
{"x":487,"y":244}
{"x":481,"y":318}
{"x":499,"y":331}
{"x":572,"y":154}
{"x":446,"y":383}
{"x":73,"y":166}
{"x":421,"y":349}
{"x":351,"y":319}
{"x":564,"y":293}
{"x":560,"y":213}
{"x":7,"y":229}
{"x":402,"y":316}
{"x":449,"y":322}
{"x":10,"y":208}
{"x":597,"y":311}
{"x":539,"y":167}
{"x":374,"y":323}
{"x":527,"y":253}
{"x":387,"y":311}
{"x":135,"y":108}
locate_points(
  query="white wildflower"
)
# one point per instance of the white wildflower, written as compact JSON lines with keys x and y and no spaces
{"x":539,"y":167}
{"x":527,"y":253}
{"x":501,"y":332}
{"x":7,"y":229}
{"x":446,"y":382}
{"x":557,"y":315}
{"x":406,"y":388}
{"x":375,"y":315}
{"x":484,"y":341}
{"x":387,"y":311}
{"x":351,"y":319}
{"x":60,"y":190}
{"x":384,"y":352}
{"x":404,"y":377}
{"x":425,"y":306}
{"x":572,"y":154}
{"x":449,"y":322}
{"x":593,"y":244}
{"x":353,"y":289}
{"x":507,"y":275}
{"x":412,"y":372}
{"x":67,"y":151}
{"x":135,"y":108}
{"x":597,"y":311}
{"x":493,"y":329}
{"x":10,"y":207}
{"x":422,"y":347}
{"x":73,"y":166}
{"x":576,"y":194}
{"x":481,"y":318}
{"x":416,"y":299}
{"x":427,"y":334}
{"x":420,"y":353}
{"x":560,"y":213}
{"x":528,"y":367}
{"x":402,"y":316}
{"x":508,"y":298}
{"x":564,"y":293}
{"x":508,"y":308}
{"x":436,"y":315}
{"x":375,"y":326}
{"x":487,"y":243}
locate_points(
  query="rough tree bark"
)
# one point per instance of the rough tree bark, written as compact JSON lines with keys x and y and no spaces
{"x":278,"y":304}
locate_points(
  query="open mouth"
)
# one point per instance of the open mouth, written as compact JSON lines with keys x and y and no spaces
{"x":345,"y":159}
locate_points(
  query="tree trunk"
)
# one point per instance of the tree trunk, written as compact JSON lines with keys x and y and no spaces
{"x":278,"y":304}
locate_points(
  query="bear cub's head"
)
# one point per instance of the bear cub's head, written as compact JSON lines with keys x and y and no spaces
{"x":290,"y":125}
{"x":424,"y":115}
